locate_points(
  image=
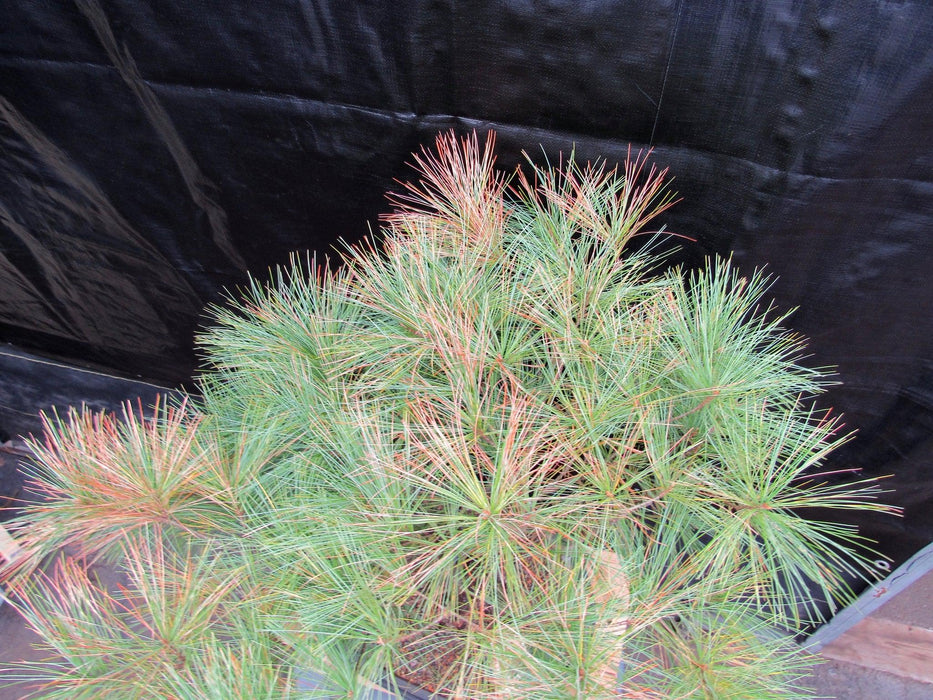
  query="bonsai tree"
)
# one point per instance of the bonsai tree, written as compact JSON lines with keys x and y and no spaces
{"x":509,"y":452}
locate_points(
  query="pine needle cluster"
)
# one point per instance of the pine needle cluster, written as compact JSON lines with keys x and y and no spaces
{"x":507,"y":453}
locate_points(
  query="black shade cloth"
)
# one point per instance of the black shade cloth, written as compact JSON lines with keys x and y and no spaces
{"x":151,"y":153}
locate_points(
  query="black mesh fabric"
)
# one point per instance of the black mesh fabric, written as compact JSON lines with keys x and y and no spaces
{"x":153,"y":153}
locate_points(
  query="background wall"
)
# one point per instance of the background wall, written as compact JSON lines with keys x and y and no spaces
{"x":153,"y":153}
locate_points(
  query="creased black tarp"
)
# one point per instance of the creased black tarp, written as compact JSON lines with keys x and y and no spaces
{"x":153,"y":152}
